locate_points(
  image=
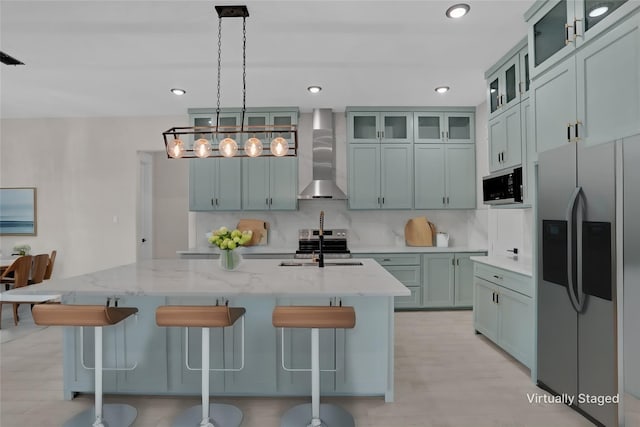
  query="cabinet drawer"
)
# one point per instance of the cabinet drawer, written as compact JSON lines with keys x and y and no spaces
{"x":393,"y":259}
{"x":409,"y":275}
{"x":504,"y":278}
{"x":412,"y":301}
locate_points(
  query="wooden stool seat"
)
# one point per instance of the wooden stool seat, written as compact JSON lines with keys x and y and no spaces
{"x":198,"y":316}
{"x":80,"y":315}
{"x":314,"y":317}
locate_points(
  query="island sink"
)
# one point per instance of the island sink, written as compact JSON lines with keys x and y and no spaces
{"x":314,"y":264}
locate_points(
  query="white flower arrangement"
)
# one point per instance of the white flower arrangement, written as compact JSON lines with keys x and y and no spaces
{"x":22,"y":249}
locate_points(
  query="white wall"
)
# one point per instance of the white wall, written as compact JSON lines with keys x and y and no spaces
{"x":170,"y":206}
{"x":86,"y":174}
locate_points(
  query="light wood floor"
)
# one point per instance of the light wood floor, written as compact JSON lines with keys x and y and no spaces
{"x":445,"y":376}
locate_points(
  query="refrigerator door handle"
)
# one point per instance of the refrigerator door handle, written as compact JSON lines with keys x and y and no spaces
{"x":570,"y":221}
{"x":580,"y":297}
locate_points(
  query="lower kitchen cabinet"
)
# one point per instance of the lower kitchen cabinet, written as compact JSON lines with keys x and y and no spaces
{"x":436,"y":279}
{"x":448,"y":279}
{"x":503,"y":310}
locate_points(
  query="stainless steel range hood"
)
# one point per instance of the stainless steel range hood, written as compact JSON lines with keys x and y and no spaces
{"x":323,"y":185}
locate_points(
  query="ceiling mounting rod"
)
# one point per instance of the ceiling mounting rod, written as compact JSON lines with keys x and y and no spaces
{"x":232,"y":11}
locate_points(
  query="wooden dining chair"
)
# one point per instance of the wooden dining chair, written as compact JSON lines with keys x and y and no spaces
{"x":52,"y":260}
{"x":39,"y":268}
{"x":21,"y":269}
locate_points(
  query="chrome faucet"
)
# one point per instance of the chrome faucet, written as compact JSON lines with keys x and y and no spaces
{"x":321,"y":240}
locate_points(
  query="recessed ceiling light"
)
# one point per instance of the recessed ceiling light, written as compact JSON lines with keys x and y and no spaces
{"x":458,"y":10}
{"x":442,"y":89}
{"x":177,"y":91}
{"x":598,"y":11}
{"x":314,"y":89}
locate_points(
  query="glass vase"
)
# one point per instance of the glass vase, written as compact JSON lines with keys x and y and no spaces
{"x":229,"y":259}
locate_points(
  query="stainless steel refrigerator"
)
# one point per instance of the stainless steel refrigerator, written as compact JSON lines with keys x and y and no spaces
{"x":577,"y":356}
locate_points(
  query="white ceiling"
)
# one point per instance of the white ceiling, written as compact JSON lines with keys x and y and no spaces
{"x":120,"y":58}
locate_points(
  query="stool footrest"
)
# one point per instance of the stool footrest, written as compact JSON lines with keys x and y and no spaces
{"x":330,"y":415}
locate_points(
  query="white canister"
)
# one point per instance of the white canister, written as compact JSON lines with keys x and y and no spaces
{"x":442,"y":240}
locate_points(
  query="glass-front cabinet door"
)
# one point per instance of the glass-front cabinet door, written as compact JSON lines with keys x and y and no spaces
{"x":494,"y":94}
{"x":595,"y":16}
{"x":428,"y":127}
{"x":363,"y":127}
{"x":396,"y":127}
{"x":525,"y":79}
{"x":283,"y":119}
{"x":371,"y":127}
{"x":551,"y":33}
{"x":459,"y":128}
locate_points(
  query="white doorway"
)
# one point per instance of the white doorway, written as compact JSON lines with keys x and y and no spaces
{"x":145,"y":207}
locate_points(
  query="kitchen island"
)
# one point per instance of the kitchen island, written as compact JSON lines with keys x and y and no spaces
{"x":362,"y":357}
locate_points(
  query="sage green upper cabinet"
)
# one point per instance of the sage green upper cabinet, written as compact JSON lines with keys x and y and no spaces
{"x":586,"y":99}
{"x":444,"y":176}
{"x":508,"y":80}
{"x":558,"y":27}
{"x":214,"y":184}
{"x":371,"y":127}
{"x":282,"y":118}
{"x":608,"y":79}
{"x":434,"y":127}
{"x":270,"y":183}
{"x":380,"y":176}
{"x":505,"y":139}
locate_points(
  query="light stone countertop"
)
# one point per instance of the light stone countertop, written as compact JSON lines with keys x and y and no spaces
{"x":268,"y":250}
{"x":204,"y":277}
{"x":522,"y":265}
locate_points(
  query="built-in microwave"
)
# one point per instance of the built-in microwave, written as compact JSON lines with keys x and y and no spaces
{"x":503,"y":187}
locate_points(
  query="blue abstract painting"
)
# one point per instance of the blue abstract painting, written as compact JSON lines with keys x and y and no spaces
{"x":18,"y":211}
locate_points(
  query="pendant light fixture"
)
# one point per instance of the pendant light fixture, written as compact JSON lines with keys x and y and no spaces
{"x":199,"y":141}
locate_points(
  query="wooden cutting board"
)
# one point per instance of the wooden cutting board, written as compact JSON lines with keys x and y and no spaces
{"x":260,"y":230}
{"x":419,"y":232}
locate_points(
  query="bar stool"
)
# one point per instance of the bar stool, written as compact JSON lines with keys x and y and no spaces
{"x":315,"y":317}
{"x":205,"y":317}
{"x":109,"y":415}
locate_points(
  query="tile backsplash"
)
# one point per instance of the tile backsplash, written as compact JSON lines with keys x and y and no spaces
{"x":366,"y":228}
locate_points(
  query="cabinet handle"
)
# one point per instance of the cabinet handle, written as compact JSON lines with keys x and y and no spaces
{"x":381,"y":134}
{"x":497,"y":277}
{"x":575,"y":28}
{"x":211,"y":202}
{"x":386,"y":259}
{"x":447,"y":135}
{"x":566,"y":31}
{"x":270,"y":201}
{"x":447,"y":199}
{"x":442,"y":135}
{"x":457,"y":262}
{"x":453,"y":261}
{"x":266,"y":201}
{"x":497,"y":298}
{"x":383,"y":200}
{"x":568,"y":132}
{"x":216,"y":201}
{"x":576,"y":127}
{"x":378,"y":200}
{"x":493,"y":296}
{"x":520,"y":88}
{"x":443,"y":202}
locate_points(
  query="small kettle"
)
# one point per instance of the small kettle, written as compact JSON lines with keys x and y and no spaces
{"x":442,"y":239}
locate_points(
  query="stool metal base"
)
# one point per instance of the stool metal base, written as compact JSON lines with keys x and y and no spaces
{"x":220,"y":414}
{"x":113,"y":415}
{"x":331,"y":416}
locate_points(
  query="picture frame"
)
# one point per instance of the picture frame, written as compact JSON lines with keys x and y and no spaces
{"x":18,"y":211}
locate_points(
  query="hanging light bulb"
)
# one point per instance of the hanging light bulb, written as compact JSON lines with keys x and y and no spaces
{"x":253,"y":147}
{"x":279,"y":146}
{"x":202,"y":148}
{"x":175,"y":149}
{"x":228,"y":147}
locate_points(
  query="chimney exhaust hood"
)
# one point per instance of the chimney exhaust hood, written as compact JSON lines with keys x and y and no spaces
{"x":323,"y":185}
